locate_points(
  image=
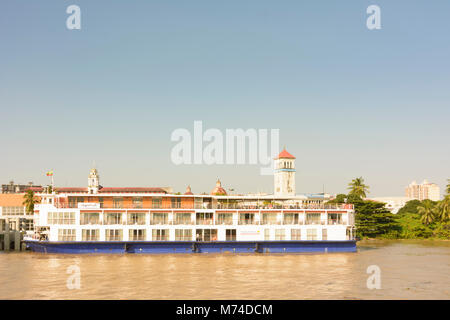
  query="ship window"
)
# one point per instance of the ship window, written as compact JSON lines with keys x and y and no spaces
{"x":90,"y":218}
{"x":206,"y":235}
{"x":66,"y":235}
{"x":136,"y":234}
{"x":280,"y":234}
{"x":269,"y":218}
{"x":311,"y":234}
{"x":90,"y":234}
{"x":324,"y":234}
{"x":334,"y":218}
{"x":231,"y":234}
{"x":246,"y":218}
{"x":136,"y":218}
{"x":183,"y":218}
{"x":137,"y":202}
{"x":313,"y":218}
{"x":296,"y":234}
{"x":159,"y":218}
{"x":204,"y":218}
{"x":183,"y":234}
{"x":100,"y":200}
{"x":156,"y":202}
{"x":291,"y":218}
{"x":266,"y":234}
{"x":198,"y":203}
{"x":160,"y":234}
{"x":224,"y":218}
{"x":176,"y":203}
{"x":113,"y":218}
{"x":61,"y":218}
{"x":117,"y":202}
{"x":113,"y":235}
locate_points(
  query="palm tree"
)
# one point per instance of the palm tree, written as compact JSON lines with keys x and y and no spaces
{"x":29,"y":201}
{"x":427,"y":210}
{"x":448,"y":187}
{"x":358,"y":188}
{"x":444,"y":209}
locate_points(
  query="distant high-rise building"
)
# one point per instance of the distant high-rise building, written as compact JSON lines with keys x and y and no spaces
{"x":423,"y":191}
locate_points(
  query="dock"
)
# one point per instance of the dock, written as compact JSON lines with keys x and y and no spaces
{"x":10,"y":239}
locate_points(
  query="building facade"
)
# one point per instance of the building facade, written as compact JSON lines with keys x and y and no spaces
{"x":12,"y":212}
{"x":17,"y":188}
{"x":423,"y":191}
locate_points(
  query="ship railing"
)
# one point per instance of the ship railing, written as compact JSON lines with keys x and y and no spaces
{"x":270,"y":222}
{"x":205,"y":222}
{"x":159,"y":222}
{"x":182,"y":238}
{"x":224,"y":222}
{"x":65,"y":205}
{"x":161,"y":238}
{"x":136,"y":223}
{"x":335,"y":221}
{"x":248,"y":222}
{"x":137,"y":238}
{"x":90,"y":238}
{"x":314,"y":222}
{"x":114,"y":238}
{"x":183,"y":222}
{"x":293,"y":222}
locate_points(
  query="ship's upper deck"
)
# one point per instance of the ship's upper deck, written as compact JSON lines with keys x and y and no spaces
{"x":126,"y":200}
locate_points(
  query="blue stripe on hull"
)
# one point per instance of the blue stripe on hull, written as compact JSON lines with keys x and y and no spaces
{"x":192,"y":246}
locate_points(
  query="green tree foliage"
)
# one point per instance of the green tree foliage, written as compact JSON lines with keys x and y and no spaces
{"x":424,"y":219}
{"x":373,"y":220}
{"x":412,"y":228}
{"x":443,"y":209}
{"x":29,"y":201}
{"x":340,"y":198}
{"x":357,"y":187}
{"x":427,"y":211}
{"x":353,"y":198}
{"x":409,"y":207}
{"x":416,"y":220}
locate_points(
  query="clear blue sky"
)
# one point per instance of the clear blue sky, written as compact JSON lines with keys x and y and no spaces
{"x":348,"y":101}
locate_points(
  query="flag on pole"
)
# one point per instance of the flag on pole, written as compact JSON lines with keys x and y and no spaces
{"x":50,"y":173}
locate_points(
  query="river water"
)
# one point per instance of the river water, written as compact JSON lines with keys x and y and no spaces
{"x":408,"y":270}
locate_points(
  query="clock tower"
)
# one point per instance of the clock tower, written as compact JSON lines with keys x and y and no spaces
{"x":284,"y":176}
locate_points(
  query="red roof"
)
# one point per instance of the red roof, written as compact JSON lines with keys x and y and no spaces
{"x":285,"y":155}
{"x":125,"y":190}
{"x":35,"y":189}
{"x":70,"y":189}
{"x":103,"y":190}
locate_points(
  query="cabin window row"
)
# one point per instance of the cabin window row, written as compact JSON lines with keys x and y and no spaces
{"x":181,"y":234}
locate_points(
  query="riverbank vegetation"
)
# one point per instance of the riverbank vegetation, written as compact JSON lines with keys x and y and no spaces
{"x":416,"y":220}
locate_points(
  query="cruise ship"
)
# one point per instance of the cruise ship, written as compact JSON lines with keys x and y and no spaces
{"x":99,"y":219}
